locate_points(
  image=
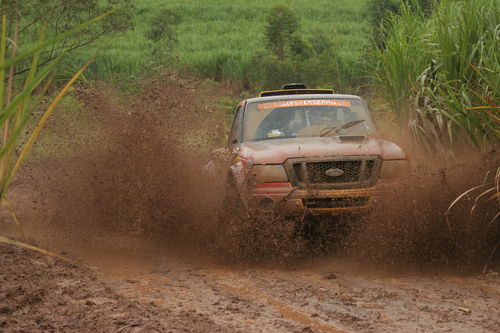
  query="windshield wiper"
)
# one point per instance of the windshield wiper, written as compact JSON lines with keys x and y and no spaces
{"x":335,"y":129}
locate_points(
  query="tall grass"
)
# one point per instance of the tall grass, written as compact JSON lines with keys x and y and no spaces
{"x":484,"y":197}
{"x":18,"y":101}
{"x":441,"y":73}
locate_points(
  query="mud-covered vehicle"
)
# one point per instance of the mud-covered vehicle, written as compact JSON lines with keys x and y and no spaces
{"x":310,"y":152}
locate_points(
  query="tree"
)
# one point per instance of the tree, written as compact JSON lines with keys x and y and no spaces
{"x":301,"y":48}
{"x":281,"y":23}
{"x":164,"y":26}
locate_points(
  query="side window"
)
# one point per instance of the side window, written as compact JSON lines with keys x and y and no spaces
{"x":235,"y":135}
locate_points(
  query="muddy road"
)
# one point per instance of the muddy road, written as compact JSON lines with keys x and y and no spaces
{"x":135,"y":290}
{"x":327,"y":296}
{"x":133,"y":210}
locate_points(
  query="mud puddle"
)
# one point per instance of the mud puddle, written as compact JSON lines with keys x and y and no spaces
{"x":327,"y":295}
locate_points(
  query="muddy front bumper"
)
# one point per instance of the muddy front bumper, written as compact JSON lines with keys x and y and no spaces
{"x":322,"y":202}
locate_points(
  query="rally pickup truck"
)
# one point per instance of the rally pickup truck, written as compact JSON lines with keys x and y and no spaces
{"x":310,"y":152}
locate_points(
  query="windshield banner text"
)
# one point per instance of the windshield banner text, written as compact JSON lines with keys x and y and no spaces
{"x":305,"y":102}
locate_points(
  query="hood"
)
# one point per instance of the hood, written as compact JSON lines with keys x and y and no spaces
{"x":277,"y":151}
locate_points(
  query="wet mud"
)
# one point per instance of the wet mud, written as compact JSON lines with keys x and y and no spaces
{"x":136,"y":208}
{"x":43,"y":294}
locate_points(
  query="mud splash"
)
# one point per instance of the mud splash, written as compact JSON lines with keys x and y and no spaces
{"x":412,"y":224}
{"x":139,"y":178}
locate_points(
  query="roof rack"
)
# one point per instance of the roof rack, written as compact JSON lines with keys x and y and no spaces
{"x":293,"y":86}
{"x":296,"y":92}
{"x":295,"y":89}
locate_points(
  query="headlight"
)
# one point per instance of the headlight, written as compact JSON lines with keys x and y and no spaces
{"x":394,"y":168}
{"x":269,"y":173}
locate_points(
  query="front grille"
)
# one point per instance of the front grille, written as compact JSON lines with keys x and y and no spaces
{"x":344,"y":172}
{"x":335,"y":202}
{"x":316,"y":172}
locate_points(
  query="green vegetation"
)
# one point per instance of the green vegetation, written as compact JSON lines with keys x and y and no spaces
{"x":379,"y":10}
{"x":292,"y":57}
{"x":440,"y":73}
{"x":220,"y":39}
{"x":281,"y":25}
{"x":163,"y":26}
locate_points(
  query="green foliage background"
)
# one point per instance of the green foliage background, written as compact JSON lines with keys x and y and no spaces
{"x":219,"y":39}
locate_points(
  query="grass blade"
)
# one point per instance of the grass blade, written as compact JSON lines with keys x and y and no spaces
{"x":14,"y":217}
{"x":31,"y":247}
{"x":43,"y":120}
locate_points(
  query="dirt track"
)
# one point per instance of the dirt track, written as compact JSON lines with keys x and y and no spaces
{"x":128,"y":292}
{"x":136,"y":214}
{"x":325,"y":297}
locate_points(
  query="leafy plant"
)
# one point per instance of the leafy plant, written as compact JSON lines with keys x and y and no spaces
{"x":487,"y":196}
{"x":17,"y":104}
{"x":440,"y":73}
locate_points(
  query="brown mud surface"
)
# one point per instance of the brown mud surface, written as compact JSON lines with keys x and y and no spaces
{"x":127,"y":292}
{"x":42,"y":294}
{"x":137,"y":213}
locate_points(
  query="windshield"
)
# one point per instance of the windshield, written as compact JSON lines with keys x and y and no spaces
{"x":292,"y":118}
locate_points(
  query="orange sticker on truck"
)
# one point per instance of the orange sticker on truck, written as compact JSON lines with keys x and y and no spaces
{"x":304,"y":102}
